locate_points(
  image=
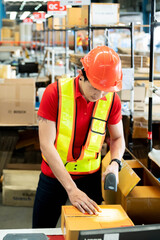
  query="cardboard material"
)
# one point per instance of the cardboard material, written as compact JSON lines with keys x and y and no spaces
{"x":138,"y":192}
{"x":17,"y":101}
{"x":77,"y":16}
{"x":139,"y":97}
{"x":140,"y":128}
{"x":19,"y":187}
{"x":156,"y":60}
{"x":72,"y":220}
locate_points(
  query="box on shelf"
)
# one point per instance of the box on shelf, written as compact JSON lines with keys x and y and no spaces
{"x":8,"y":22}
{"x":19,"y":186}
{"x":6,"y":33}
{"x":140,"y":128}
{"x":17,"y":101}
{"x":56,"y":22}
{"x":138,"y":191}
{"x":156,"y":64}
{"x":5,"y":71}
{"x":139,"y":97}
{"x":104,"y":13}
{"x":72,"y":220}
{"x":17,"y":37}
{"x":77,"y":16}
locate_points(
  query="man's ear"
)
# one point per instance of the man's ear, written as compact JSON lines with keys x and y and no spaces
{"x":80,"y":74}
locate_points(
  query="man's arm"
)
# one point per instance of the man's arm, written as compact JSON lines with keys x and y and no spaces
{"x":47,"y":135}
{"x":117,"y":147}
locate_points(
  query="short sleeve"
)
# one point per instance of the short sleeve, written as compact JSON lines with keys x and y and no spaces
{"x":49,"y":103}
{"x":115,"y":115}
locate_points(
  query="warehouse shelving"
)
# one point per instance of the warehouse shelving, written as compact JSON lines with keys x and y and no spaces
{"x":154,"y":155}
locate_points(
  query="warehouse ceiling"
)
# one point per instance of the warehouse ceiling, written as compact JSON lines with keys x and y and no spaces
{"x":26,"y":5}
{"x":17,"y":7}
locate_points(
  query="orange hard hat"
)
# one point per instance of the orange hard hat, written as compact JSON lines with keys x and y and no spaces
{"x":103,"y":69}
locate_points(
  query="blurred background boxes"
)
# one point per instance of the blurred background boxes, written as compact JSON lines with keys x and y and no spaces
{"x":19,"y":187}
{"x":77,"y":16}
{"x":17,"y":101}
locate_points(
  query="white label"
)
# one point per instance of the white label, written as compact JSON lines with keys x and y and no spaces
{"x":75,"y":2}
{"x":114,"y":236}
{"x":105,"y":14}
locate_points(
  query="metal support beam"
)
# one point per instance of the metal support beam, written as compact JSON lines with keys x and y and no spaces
{"x":151,"y":72}
{"x":2,"y":14}
{"x":145,"y":15}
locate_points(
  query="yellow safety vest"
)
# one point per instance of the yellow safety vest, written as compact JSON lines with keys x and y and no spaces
{"x":90,"y":157}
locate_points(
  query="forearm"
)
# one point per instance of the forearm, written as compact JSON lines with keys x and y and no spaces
{"x":117,"y":147}
{"x":58,"y":167}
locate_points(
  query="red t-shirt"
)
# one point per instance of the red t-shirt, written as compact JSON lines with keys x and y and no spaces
{"x":48,"y":110}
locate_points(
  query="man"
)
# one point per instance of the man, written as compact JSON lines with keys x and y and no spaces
{"x":80,"y":42}
{"x":73,"y":117}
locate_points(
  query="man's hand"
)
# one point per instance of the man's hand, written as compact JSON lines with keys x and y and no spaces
{"x":113,"y":168}
{"x":81,"y":201}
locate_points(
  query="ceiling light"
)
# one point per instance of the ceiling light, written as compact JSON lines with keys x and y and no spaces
{"x":24,"y":15}
{"x":13,"y":15}
{"x":38,"y":6}
{"x":22,"y":5}
{"x":48,"y":15}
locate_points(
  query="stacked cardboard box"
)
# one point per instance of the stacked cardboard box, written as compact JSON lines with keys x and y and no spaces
{"x":72,"y":220}
{"x":19,"y":186}
{"x":138,"y":192}
{"x":9,"y":32}
{"x":139,"y":97}
{"x":17,"y":101}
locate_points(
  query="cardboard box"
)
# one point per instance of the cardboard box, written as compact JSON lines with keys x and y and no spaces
{"x":72,"y":220}
{"x":5,"y":71}
{"x":17,"y":101}
{"x":56,"y":22}
{"x":8,"y":22}
{"x":19,"y":187}
{"x":6,"y":33}
{"x":157,"y":65}
{"x":140,"y":128}
{"x":104,"y":13}
{"x":77,"y":16}
{"x":138,"y":192}
{"x":139,"y":97}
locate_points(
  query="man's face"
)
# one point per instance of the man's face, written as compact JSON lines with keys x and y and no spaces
{"x":89,"y":92}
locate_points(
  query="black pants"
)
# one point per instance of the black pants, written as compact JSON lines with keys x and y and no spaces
{"x":51,"y":195}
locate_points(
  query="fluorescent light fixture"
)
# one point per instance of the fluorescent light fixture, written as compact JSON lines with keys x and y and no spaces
{"x":13,"y":15}
{"x":22,"y":5}
{"x":48,"y":15}
{"x":24,"y":15}
{"x":38,"y":6}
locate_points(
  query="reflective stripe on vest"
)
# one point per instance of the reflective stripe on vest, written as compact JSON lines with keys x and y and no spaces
{"x":90,"y":158}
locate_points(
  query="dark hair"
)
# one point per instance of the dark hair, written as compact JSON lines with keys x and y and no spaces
{"x":84,"y":74}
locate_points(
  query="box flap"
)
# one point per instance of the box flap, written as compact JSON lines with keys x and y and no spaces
{"x":148,"y":192}
{"x":128,"y":179}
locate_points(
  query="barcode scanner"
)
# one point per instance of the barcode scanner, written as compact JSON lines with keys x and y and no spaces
{"x":110,"y":182}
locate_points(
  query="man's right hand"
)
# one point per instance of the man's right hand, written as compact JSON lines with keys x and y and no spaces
{"x":82,"y":202}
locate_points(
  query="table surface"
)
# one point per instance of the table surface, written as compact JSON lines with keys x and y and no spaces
{"x":52,"y":233}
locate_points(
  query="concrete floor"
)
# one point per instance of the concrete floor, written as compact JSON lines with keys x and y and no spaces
{"x":17,"y":217}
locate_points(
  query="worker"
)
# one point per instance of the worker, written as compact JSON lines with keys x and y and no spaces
{"x":86,"y":44}
{"x":80,"y":42}
{"x":73,"y":116}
